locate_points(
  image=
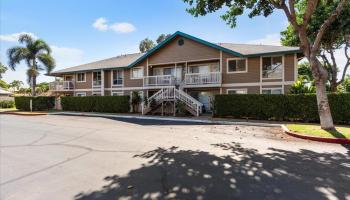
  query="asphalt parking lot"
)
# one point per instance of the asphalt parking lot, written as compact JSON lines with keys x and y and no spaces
{"x":85,"y":158}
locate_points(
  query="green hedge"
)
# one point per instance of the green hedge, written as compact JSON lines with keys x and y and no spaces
{"x":38,"y":103}
{"x":291,"y":107}
{"x":7,"y":104}
{"x":111,"y":104}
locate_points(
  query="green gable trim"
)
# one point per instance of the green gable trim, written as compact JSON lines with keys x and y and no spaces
{"x":178,"y":33}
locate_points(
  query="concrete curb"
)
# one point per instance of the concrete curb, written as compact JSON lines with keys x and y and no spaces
{"x":313,"y":138}
{"x":167,"y":119}
{"x":22,"y":113}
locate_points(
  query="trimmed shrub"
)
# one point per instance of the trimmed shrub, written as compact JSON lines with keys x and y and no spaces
{"x":38,"y":103}
{"x":111,"y":104}
{"x":290,"y":107}
{"x":7,"y":104}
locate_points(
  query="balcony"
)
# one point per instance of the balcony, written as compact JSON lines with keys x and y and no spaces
{"x":61,"y":86}
{"x":203,"y":78}
{"x":162,"y":80}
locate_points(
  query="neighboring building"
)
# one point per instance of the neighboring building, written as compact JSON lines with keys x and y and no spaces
{"x":4,"y":93}
{"x":194,"y":67}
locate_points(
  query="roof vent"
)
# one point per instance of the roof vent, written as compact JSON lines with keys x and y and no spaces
{"x":181,"y":42}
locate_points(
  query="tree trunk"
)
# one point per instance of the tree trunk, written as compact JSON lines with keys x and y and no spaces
{"x":33,"y":85}
{"x":321,"y":76}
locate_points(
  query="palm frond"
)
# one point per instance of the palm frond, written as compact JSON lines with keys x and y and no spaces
{"x":41,"y":45}
{"x":47,"y":61}
{"x":26,"y":38}
{"x":16,"y":55}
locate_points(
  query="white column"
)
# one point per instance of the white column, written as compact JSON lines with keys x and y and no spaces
{"x":102,"y":83}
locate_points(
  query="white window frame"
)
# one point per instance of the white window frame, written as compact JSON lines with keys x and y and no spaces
{"x":112,"y":77}
{"x":236,"y":72}
{"x":262,"y":65}
{"x":77,"y":78}
{"x":236,"y":89}
{"x":276,"y":88}
{"x":119,"y":93}
{"x":92,"y":79}
{"x":131,"y":72}
{"x":82,"y":94}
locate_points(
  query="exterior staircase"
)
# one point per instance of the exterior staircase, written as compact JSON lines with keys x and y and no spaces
{"x":172,"y":94}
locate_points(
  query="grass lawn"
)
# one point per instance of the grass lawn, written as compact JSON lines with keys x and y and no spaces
{"x":315,"y":130}
{"x":7,"y":109}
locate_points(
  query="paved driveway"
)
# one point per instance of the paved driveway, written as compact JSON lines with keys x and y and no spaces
{"x":84,"y":158}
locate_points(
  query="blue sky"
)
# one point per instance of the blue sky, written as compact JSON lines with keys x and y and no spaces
{"x":68,"y":27}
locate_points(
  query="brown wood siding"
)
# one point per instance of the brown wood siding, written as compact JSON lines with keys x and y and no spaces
{"x":289,"y":67}
{"x":287,"y":89}
{"x":190,"y":50}
{"x":84,"y":85}
{"x":128,"y":82}
{"x":253,"y":74}
{"x":107,"y":78}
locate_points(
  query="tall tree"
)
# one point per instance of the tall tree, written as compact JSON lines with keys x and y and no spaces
{"x":309,"y":46}
{"x":162,"y":37}
{"x":3,"y":69}
{"x":37,"y":55}
{"x":336,"y":37}
{"x":16,"y":84}
{"x":146,"y":45}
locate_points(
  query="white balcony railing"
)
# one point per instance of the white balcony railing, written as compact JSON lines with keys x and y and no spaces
{"x":163,"y":80}
{"x":203,"y":78}
{"x":61,"y":86}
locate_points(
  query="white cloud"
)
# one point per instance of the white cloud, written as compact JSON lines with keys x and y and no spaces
{"x":270,"y":39}
{"x":100,"y":24}
{"x":14,"y":36}
{"x":122,"y":27}
{"x":66,"y":56}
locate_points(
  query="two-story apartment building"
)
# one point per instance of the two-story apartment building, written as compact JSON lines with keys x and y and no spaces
{"x":192,"y":69}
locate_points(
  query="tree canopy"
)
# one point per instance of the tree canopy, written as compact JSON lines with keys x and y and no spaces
{"x":3,"y":69}
{"x":37,"y":55}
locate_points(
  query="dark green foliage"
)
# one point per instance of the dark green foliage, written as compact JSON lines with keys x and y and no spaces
{"x":39,"y":103}
{"x":7,"y":104}
{"x":302,"y":107}
{"x":110,"y":104}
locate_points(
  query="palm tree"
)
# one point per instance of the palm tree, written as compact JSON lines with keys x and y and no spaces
{"x":3,"y":69}
{"x":37,"y":55}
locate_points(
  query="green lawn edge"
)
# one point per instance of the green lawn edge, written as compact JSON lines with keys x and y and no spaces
{"x":315,"y":130}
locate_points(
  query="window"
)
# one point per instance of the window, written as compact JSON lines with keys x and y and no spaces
{"x":236,"y":65}
{"x":81,"y":77}
{"x":80,"y":94}
{"x":272,"y":67}
{"x":117,"y":93}
{"x":117,"y":77}
{"x":137,"y":72}
{"x":271,"y":91}
{"x":168,"y":71}
{"x":237,"y":91}
{"x":96,"y":93}
{"x":96,"y":78}
{"x":204,"y":68}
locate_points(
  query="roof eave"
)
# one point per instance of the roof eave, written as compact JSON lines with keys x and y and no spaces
{"x":81,"y":71}
{"x":273,"y":53}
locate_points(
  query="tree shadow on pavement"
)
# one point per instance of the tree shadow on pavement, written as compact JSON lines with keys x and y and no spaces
{"x":242,"y":173}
